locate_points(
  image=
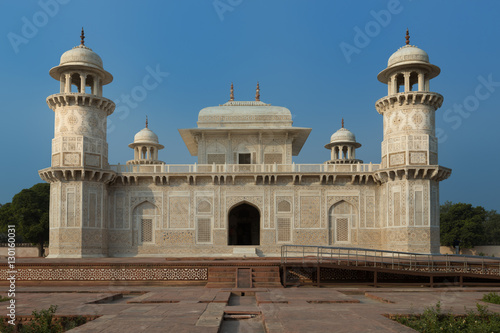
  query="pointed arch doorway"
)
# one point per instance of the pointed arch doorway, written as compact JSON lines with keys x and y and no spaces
{"x":244,"y":225}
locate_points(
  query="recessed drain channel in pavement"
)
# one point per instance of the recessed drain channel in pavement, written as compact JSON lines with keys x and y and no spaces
{"x":242,"y":314}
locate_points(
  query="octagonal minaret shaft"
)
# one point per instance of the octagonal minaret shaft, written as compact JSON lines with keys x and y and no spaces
{"x":80,"y":110}
{"x":409,"y":109}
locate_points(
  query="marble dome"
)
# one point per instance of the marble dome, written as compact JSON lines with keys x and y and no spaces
{"x":343,"y":135}
{"x":81,"y":55}
{"x":244,"y":114}
{"x":146,"y":136}
{"x":408,"y":53}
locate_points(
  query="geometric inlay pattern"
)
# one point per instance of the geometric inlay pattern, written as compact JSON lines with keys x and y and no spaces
{"x":107,"y":274}
{"x":284,"y":229}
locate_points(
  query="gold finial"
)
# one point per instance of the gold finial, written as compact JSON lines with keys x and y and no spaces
{"x":407,"y":37}
{"x":231,"y":96}
{"x":146,"y":121}
{"x":257,"y":93}
{"x":82,"y":36}
{"x":342,"y":122}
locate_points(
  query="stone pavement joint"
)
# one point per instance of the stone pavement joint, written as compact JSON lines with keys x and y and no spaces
{"x":212,"y":317}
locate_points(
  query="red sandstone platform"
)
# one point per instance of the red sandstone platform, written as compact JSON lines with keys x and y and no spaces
{"x":198,"y":309}
{"x":241,"y":272}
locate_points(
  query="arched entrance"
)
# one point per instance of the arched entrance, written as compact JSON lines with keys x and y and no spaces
{"x":244,"y":225}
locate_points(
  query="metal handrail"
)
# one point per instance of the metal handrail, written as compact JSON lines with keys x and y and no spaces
{"x":394,"y":259}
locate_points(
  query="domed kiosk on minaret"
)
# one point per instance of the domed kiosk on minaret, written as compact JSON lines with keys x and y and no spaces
{"x":408,"y":69}
{"x":83,"y":68}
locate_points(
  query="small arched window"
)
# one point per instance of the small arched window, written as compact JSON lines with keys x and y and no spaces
{"x":413,"y":81}
{"x":400,"y":82}
{"x":75,"y":82}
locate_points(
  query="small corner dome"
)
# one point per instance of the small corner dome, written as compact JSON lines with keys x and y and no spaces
{"x":343,"y":135}
{"x":146,"y":136}
{"x":408,"y":53}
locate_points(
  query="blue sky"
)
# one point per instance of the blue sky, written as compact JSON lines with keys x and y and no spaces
{"x":293,"y":48}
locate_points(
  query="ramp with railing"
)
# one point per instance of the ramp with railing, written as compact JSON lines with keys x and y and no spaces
{"x":324,"y":264}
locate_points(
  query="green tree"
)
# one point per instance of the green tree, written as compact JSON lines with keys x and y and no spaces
{"x":6,"y":218}
{"x":492,"y":228}
{"x":462,"y":224}
{"x":29,"y":211}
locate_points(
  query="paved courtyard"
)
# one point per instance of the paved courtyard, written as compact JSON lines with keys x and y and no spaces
{"x":199,"y":309}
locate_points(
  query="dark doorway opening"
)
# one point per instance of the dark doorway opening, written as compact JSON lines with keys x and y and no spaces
{"x":245,"y":159}
{"x":244,"y":226}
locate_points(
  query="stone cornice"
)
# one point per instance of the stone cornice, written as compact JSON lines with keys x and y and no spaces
{"x":409,"y":98}
{"x":360,"y":178}
{"x":429,"y":172}
{"x":52,"y":175}
{"x":67,"y":99}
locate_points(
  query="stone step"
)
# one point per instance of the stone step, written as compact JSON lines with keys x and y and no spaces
{"x":267,"y":285}
{"x":220,"y":285}
{"x":220,"y":273}
{"x":226,"y":277}
{"x":266,"y":274}
{"x":222,"y":279}
{"x":221,"y":269}
{"x":265,"y":279}
{"x":266,"y":269}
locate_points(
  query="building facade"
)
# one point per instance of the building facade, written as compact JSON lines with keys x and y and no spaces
{"x":244,"y":196}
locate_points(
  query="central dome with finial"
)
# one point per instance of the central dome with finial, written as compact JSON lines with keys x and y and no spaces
{"x":244,"y":114}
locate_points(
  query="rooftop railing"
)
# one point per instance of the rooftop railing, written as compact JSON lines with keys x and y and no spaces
{"x":243,"y":168}
{"x":324,"y":255}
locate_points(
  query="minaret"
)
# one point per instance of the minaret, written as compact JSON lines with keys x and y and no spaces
{"x":79,"y":170}
{"x":409,"y":170}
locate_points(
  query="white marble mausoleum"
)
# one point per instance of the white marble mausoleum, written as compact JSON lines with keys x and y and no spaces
{"x":245,"y":195}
